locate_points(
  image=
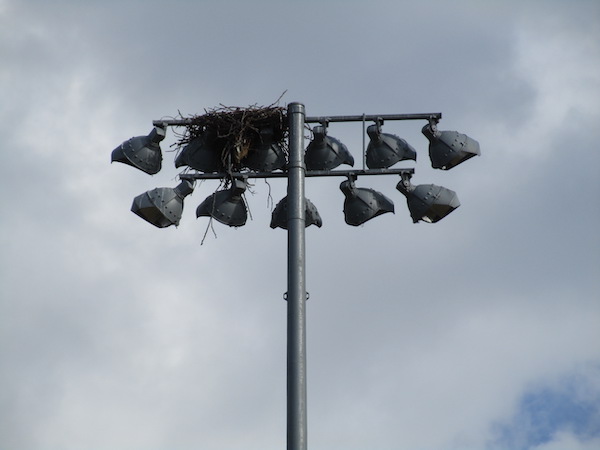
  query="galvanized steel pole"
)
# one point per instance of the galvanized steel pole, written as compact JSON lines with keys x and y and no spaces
{"x":296,"y":288}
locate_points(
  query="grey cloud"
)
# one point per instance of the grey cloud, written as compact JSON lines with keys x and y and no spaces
{"x":119,"y":335}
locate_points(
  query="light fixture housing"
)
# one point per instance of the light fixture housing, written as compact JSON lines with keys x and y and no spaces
{"x":268,"y":155}
{"x":385,"y":150}
{"x":326,"y":152}
{"x":142,"y":152}
{"x":448,"y":149}
{"x":201,"y":153}
{"x":428,"y":202}
{"x":363,"y":204}
{"x":162,"y":207}
{"x":227,"y":206}
{"x":279,"y":217}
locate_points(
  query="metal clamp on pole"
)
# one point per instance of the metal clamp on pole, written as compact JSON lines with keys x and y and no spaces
{"x":285,"y":296}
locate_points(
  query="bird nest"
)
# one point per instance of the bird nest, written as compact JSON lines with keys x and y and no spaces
{"x":234,"y":132}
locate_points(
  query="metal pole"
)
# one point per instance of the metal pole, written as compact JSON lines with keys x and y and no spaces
{"x":321,"y":119}
{"x":296,"y":289}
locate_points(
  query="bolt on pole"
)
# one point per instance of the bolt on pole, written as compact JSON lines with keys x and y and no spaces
{"x":296,"y":293}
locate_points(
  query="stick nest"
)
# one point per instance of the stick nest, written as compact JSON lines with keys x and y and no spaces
{"x":234,"y":132}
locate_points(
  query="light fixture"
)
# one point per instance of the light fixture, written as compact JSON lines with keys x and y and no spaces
{"x":427,"y":202}
{"x":227,"y":206}
{"x":163,"y":206}
{"x":268,"y":155}
{"x":385,"y":150}
{"x":449,"y":148}
{"x":279,"y":217}
{"x":326,"y":152}
{"x":363,"y":204}
{"x":202,"y":154}
{"x":142,"y":152}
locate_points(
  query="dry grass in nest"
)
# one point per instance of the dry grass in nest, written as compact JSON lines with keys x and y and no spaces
{"x":234,"y":131}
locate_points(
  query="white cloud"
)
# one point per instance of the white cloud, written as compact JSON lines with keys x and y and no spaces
{"x":561,"y":62}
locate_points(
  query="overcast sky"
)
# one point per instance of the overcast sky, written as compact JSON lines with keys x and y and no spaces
{"x":479,"y":332}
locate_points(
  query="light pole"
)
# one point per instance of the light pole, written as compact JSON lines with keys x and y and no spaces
{"x":296,"y":283}
{"x":163,"y":206}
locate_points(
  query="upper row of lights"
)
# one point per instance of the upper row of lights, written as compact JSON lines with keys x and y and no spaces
{"x":162,"y":207}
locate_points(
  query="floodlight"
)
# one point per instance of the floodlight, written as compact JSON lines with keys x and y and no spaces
{"x":449,"y":148}
{"x":362,"y":204}
{"x":162,"y":207}
{"x":325,"y":152}
{"x":279,"y":217}
{"x":385,"y":150}
{"x":428,"y":202}
{"x":142,"y":152}
{"x":201,"y":153}
{"x":227,"y":206}
{"x":268,"y":155}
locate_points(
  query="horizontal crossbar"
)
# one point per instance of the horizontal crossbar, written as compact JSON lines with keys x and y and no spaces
{"x":308,"y":173}
{"x":323,"y":119}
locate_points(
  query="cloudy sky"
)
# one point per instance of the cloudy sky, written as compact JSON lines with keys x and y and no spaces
{"x":479,"y":332}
